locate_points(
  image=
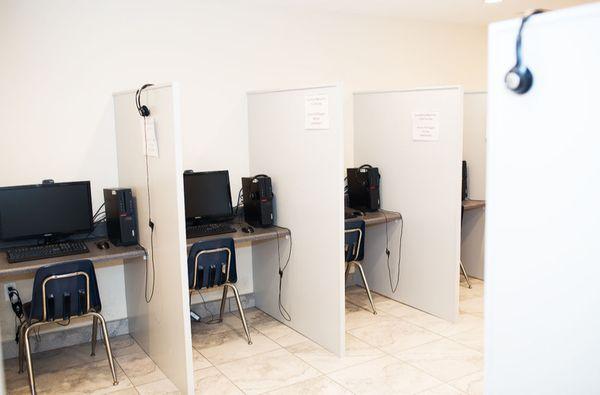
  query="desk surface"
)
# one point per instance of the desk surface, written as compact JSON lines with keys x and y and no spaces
{"x":378,"y":217}
{"x":473,"y":204}
{"x":260,"y":234}
{"x":96,"y":255}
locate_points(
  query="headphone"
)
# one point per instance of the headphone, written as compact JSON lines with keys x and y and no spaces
{"x":142,"y":109}
{"x":519,"y":79}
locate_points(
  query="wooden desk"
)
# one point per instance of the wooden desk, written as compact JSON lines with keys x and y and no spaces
{"x":239,"y":237}
{"x":377,"y":217}
{"x":96,"y":255}
{"x":473,"y":204}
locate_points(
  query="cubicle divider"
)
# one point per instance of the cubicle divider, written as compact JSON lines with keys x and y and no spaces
{"x":296,"y":137}
{"x":415,"y":138}
{"x":542,"y":250}
{"x":162,"y":325}
{"x":474,"y":152}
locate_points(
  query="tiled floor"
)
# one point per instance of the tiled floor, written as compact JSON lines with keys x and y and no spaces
{"x":401,"y":350}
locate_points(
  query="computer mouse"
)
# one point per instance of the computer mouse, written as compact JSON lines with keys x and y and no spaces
{"x":248,"y":229}
{"x":103,"y":245}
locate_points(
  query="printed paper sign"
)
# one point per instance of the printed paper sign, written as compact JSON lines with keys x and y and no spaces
{"x":426,"y":126}
{"x":316,"y":109}
{"x":150,"y":147}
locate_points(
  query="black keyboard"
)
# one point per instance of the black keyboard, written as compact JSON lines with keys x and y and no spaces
{"x":208,"y":230}
{"x":32,"y":253}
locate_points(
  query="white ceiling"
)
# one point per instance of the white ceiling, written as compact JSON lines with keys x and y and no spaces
{"x":455,"y":11}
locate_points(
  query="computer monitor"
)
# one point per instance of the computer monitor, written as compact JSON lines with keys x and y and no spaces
{"x":207,"y":196}
{"x":45,"y":210}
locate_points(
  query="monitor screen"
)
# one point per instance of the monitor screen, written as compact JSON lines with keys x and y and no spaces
{"x":30,"y":211}
{"x":207,"y":196}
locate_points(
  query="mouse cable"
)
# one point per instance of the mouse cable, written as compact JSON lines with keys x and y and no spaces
{"x":393,"y":287}
{"x":150,"y":224}
{"x":282,"y":310}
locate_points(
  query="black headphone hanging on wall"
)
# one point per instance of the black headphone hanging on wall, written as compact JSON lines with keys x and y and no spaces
{"x":519,"y":79}
{"x":142,"y":109}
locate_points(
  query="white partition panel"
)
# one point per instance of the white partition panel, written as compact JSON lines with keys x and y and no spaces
{"x":474,"y":148}
{"x":306,"y":167}
{"x":421,"y":180}
{"x":161,"y":327}
{"x":543,"y":218}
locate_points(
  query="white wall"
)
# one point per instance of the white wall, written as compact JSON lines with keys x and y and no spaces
{"x":61,"y":60}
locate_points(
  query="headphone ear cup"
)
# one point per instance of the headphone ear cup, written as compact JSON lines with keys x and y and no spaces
{"x":519,"y":80}
{"x":144,"y":111}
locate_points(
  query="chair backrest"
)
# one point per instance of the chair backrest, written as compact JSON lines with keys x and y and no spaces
{"x":64,"y":290}
{"x":211,"y":263}
{"x":355,"y":240}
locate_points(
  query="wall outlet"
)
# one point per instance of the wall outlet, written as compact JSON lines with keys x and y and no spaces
{"x":6,"y":286}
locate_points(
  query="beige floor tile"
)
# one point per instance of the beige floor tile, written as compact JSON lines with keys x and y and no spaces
{"x":358,"y":296}
{"x":268,"y":371}
{"x":473,"y":305}
{"x":140,"y":368}
{"x":89,"y":378}
{"x":227,"y":346}
{"x":357,"y":317}
{"x":164,"y":386}
{"x":210,"y":381}
{"x":394,"y":335}
{"x":199,"y":361}
{"x":443,"y":389}
{"x":357,"y":352}
{"x":471,"y":384}
{"x":121,"y":345}
{"x":444,"y":359}
{"x":465,"y":322}
{"x":385,"y":375}
{"x":319,"y":385}
{"x":273,"y":329}
{"x":473,"y":339}
{"x":394,"y":308}
{"x":207,"y":327}
{"x":475,"y":291}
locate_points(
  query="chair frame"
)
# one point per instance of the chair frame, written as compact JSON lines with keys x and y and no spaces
{"x":354,"y":262}
{"x":27,"y":326}
{"x":226,"y":285}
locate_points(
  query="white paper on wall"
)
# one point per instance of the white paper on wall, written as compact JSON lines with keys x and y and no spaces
{"x":426,"y":126}
{"x":316,"y":108}
{"x":151,"y":142}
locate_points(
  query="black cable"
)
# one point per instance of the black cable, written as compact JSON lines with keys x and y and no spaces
{"x":150,"y":224}
{"x":98,"y":211}
{"x":282,"y":310}
{"x":387,"y":252}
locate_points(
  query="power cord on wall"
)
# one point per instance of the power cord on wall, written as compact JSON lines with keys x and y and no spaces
{"x":393,"y":287}
{"x":282,"y":310}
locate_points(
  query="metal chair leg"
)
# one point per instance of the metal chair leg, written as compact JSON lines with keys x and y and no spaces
{"x":464,"y":272}
{"x":107,"y":346}
{"x":362,"y":274}
{"x":94,"y":335}
{"x":347,"y":271}
{"x":22,"y":346}
{"x":242,"y":315}
{"x":223,"y":300}
{"x":28,"y":356}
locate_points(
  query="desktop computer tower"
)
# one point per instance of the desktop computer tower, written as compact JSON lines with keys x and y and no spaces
{"x":121,"y":217}
{"x":363,"y":188}
{"x":258,"y":200}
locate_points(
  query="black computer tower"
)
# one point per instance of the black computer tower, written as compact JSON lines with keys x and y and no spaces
{"x":465,"y":181}
{"x":363,"y":188}
{"x":258,"y":200}
{"x":121,"y":216}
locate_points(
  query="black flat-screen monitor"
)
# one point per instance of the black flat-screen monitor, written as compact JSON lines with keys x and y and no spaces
{"x":45,"y":210}
{"x":207,"y":196}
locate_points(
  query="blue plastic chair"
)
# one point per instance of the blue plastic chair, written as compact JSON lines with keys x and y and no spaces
{"x":211,"y":263}
{"x":62,"y":291}
{"x":354,"y":252}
